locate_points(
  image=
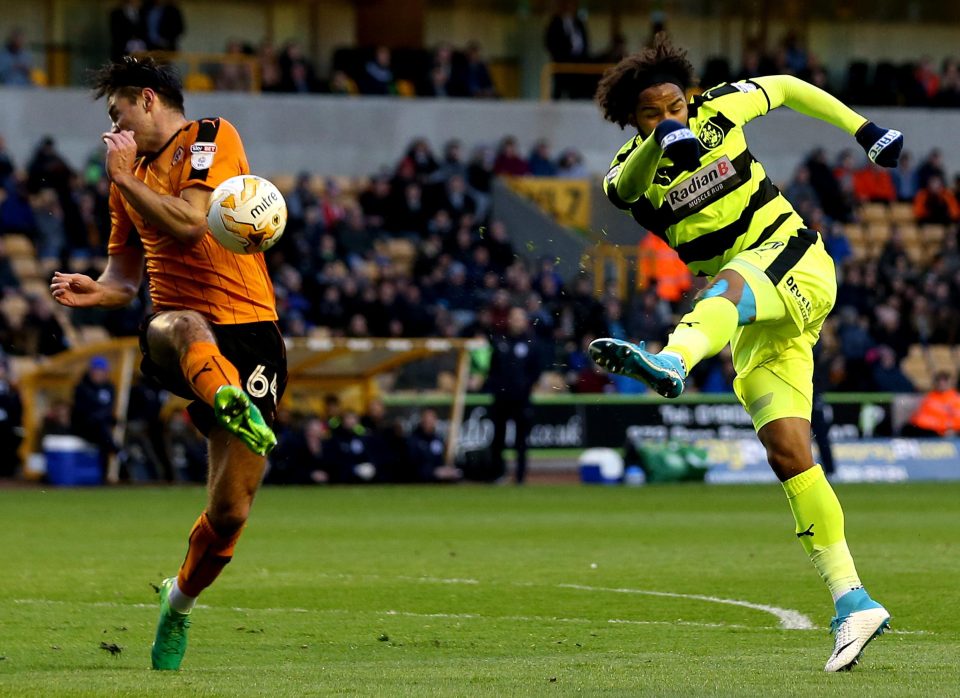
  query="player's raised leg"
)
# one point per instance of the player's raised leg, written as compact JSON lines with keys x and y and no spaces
{"x":725,"y":304}
{"x":184,"y":338}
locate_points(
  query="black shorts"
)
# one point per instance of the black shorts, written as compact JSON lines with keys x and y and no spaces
{"x":259,"y":354}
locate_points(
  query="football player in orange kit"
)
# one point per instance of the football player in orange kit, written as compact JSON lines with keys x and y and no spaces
{"x":213,"y":336}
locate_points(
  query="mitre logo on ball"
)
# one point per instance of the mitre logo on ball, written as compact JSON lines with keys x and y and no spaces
{"x":247,"y":214}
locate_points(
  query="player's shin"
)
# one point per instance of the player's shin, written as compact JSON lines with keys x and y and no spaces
{"x":208,"y":554}
{"x":703,"y":331}
{"x":206,"y":369}
{"x":820,"y":529}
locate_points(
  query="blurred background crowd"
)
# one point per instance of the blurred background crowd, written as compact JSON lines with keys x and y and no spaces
{"x":416,"y":249}
{"x":451,"y":70}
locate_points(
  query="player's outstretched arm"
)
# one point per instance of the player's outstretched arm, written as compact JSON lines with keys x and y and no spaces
{"x":629,"y":177}
{"x":882,"y":145}
{"x":115,"y":288}
{"x":185,"y":218}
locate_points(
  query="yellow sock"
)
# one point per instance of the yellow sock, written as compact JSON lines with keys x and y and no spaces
{"x":820,"y":529}
{"x":704,"y":331}
{"x":206,"y":369}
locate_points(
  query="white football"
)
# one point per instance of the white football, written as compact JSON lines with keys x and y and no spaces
{"x":247,"y":214}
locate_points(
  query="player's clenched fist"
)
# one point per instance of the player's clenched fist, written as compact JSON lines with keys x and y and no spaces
{"x":75,"y":290}
{"x":121,"y":152}
{"x":678,"y":143}
{"x":882,"y":145}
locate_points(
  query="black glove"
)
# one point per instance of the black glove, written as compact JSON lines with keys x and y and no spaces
{"x":883,"y":145}
{"x":678,"y":143}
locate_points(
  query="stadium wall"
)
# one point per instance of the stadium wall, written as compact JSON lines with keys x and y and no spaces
{"x":357,"y":136}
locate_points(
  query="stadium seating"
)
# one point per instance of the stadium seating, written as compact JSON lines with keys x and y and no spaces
{"x":402,"y":253}
{"x":874,"y":213}
{"x":901,"y":212}
{"x":18,"y":245}
{"x":922,"y":362}
{"x":933,"y":234}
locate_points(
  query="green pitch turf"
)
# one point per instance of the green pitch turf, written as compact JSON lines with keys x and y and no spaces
{"x":476,"y":591}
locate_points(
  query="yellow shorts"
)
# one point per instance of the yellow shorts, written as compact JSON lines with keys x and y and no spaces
{"x":795,"y":285}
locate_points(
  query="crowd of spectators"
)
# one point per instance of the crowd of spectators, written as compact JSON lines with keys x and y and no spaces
{"x":337,"y":269}
{"x":468,"y":275}
{"x":915,"y":83}
{"x":341,"y":446}
{"x":136,"y":26}
{"x":468,"y":270}
{"x":446,"y":70}
{"x":418,"y":251}
{"x":16,"y":60}
{"x":897,"y":290}
{"x":154,"y":25}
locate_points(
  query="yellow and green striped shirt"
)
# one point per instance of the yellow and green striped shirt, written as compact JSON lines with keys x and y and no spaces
{"x":728,"y":204}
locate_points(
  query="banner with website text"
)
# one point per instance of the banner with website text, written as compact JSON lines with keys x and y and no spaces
{"x":862,"y":433}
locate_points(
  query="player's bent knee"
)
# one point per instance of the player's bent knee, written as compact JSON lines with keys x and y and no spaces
{"x":180,"y":327}
{"x":743,"y":297}
{"x":190,"y":326}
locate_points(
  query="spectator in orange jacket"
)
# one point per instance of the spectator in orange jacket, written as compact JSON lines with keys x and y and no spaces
{"x":938,"y":414}
{"x":873,"y":183}
{"x":935,"y":203}
{"x":658,"y":263}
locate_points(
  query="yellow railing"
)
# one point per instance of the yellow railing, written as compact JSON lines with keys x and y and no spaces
{"x":550,"y":70}
{"x":616,"y":262}
{"x":196,"y":78}
{"x":607,"y":258}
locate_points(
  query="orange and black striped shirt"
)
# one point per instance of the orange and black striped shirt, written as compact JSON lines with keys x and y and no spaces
{"x":224,"y":287}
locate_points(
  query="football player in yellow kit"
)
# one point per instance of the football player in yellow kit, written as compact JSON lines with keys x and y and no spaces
{"x":689,"y":178}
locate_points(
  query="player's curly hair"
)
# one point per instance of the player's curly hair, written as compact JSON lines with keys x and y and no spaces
{"x":130,"y":75}
{"x":621,"y":85}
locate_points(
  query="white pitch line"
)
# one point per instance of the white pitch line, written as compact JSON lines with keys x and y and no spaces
{"x":393,"y":613}
{"x":788,"y":618}
{"x":554,"y":619}
{"x":456,"y":616}
{"x":437,"y":580}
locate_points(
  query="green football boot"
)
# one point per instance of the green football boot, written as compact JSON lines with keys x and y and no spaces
{"x":171,"y":641}
{"x":240,"y":417}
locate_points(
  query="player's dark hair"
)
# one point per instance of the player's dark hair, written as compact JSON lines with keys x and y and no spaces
{"x":130,"y":75}
{"x":621,"y":85}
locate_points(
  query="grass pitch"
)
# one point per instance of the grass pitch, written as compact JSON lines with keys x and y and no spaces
{"x":475,"y":591}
